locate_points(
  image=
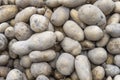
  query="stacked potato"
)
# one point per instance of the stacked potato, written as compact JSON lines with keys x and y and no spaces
{"x":59,"y":39}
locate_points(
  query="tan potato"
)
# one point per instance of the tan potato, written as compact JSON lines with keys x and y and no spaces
{"x":106,"y":6}
{"x":3,"y":26}
{"x":117,"y":7}
{"x":58,"y":75}
{"x":48,"y":13}
{"x":71,"y":3}
{"x":57,"y":19}
{"x":29,"y":74}
{"x":7,"y":12}
{"x":25,"y":14}
{"x":74,"y":76}
{"x":36,"y":3}
{"x":22,"y":3}
{"x":9,"y":32}
{"x":41,"y":11}
{"x":59,"y":35}
{"x":4,"y":71}
{"x":92,"y":15}
{"x":52,"y":3}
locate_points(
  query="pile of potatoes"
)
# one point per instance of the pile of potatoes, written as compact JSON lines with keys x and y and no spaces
{"x":59,"y":39}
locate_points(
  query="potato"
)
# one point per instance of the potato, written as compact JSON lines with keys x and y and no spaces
{"x":113,"y":30}
{"x":52,"y":3}
{"x":115,"y":18}
{"x":42,"y":77}
{"x":39,"y":23}
{"x":71,"y":46}
{"x":73,"y":30}
{"x":97,"y":55}
{"x":83,"y":68}
{"x":9,"y":10}
{"x":117,"y":60}
{"x":58,"y":75}
{"x":106,"y":6}
{"x":57,"y":19}
{"x":4,"y":59}
{"x":117,"y":7}
{"x":42,"y":56}
{"x":94,"y":17}
{"x":65,"y":64}
{"x":74,"y":76}
{"x":117,"y":77}
{"x":29,"y":74}
{"x":38,"y":41}
{"x":113,"y":46}
{"x":22,"y":31}
{"x":71,"y":3}
{"x":25,"y":14}
{"x":109,"y":78}
{"x":74,"y":15}
{"x":9,"y":32}
{"x":87,"y":45}
{"x":42,"y":68}
{"x":3,"y":26}
{"x":25,"y":61}
{"x":22,"y":3}
{"x":59,"y":35}
{"x":93,"y":33}
{"x":36,"y":3}
{"x":50,"y":27}
{"x":48,"y":13}
{"x":98,"y":73}
{"x":14,"y":74}
{"x":41,"y":11}
{"x":3,"y":42}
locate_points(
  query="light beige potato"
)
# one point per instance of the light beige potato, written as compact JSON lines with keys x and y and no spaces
{"x":42,"y":68}
{"x":50,"y":27}
{"x":42,"y":56}
{"x":25,"y":14}
{"x":12,"y":22}
{"x":25,"y":61}
{"x":71,"y":46}
{"x":93,"y":33}
{"x":65,"y":64}
{"x":22,"y":31}
{"x":52,"y":3}
{"x":60,"y":16}
{"x":22,"y":3}
{"x":58,"y":75}
{"x":42,"y":77}
{"x":38,"y":41}
{"x":117,"y":7}
{"x":109,"y":78}
{"x":48,"y":13}
{"x":7,"y":12}
{"x":106,"y":6}
{"x":3,"y":26}
{"x":36,"y":3}
{"x":3,"y":42}
{"x":117,"y":77}
{"x":115,"y":18}
{"x":74,"y":15}
{"x":113,"y":30}
{"x":59,"y":35}
{"x":71,"y":3}
{"x":103,"y":42}
{"x":92,"y":15}
{"x":74,"y":76}
{"x":29,"y":74}
{"x":87,"y":45}
{"x":73,"y":30}
{"x":4,"y":59}
{"x":9,"y":32}
{"x":4,"y":71}
{"x":39,"y":23}
{"x":98,"y":73}
{"x":14,"y":74}
{"x":41,"y":11}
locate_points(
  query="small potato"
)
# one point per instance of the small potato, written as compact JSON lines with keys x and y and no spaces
{"x":22,"y":31}
{"x":58,"y":75}
{"x":59,"y":35}
{"x":92,"y":15}
{"x":71,"y":3}
{"x":93,"y":33}
{"x":22,"y":3}
{"x":9,"y":32}
{"x":106,"y":6}
{"x":98,"y":73}
{"x":113,"y":19}
{"x":73,"y":30}
{"x":65,"y":64}
{"x":74,"y":76}
{"x":109,"y":78}
{"x":117,"y":60}
{"x":4,"y":59}
{"x":29,"y":74}
{"x":50,"y":27}
{"x":87,"y":45}
{"x":3,"y":26}
{"x":4,"y":71}
{"x":25,"y":61}
{"x":42,"y":77}
{"x":52,"y":3}
{"x":14,"y":74}
{"x":113,"y":46}
{"x":25,"y":14}
{"x":57,"y":19}
{"x":12,"y":22}
{"x":39,"y":23}
{"x":71,"y":46}
{"x":102,"y":42}
{"x":7,"y":12}
{"x":117,"y":7}
{"x":36,"y":3}
{"x":3,"y":42}
{"x":113,"y":30}
{"x":110,"y":59}
{"x":42,"y":56}
{"x":48,"y":13}
{"x":41,"y":11}
{"x":74,"y":15}
{"x":42,"y":68}
{"x":97,"y":55}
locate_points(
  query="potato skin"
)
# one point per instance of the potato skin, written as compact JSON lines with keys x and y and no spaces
{"x":94,"y":17}
{"x":57,"y":19}
{"x":9,"y":10}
